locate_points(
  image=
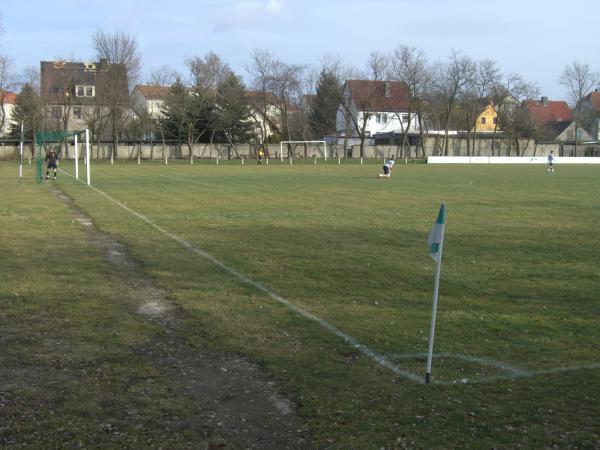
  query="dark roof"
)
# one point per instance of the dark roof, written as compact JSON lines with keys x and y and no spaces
{"x":556,"y":128}
{"x":549,"y":111}
{"x":379,"y":95}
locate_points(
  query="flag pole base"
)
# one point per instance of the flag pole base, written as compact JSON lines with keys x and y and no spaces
{"x":427,"y":377}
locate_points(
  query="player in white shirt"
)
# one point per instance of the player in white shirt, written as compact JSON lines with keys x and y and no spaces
{"x":387,"y":168}
{"x":551,"y":162}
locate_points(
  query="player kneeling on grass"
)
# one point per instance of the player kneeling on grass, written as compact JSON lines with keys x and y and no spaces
{"x":387,"y":168}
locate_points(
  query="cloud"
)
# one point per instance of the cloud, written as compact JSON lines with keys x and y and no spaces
{"x":248,"y":13}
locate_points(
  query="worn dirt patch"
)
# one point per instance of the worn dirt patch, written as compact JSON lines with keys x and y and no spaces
{"x":233,"y":399}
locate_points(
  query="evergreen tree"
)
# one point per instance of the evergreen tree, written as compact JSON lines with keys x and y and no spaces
{"x":232,"y":122}
{"x":186,"y":114}
{"x":322,"y":118}
{"x":28,"y":110}
{"x":173,"y":111}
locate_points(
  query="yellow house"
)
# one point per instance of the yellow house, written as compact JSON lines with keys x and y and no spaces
{"x":486,"y":121}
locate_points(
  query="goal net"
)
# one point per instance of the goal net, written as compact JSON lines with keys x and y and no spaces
{"x":45,"y":141}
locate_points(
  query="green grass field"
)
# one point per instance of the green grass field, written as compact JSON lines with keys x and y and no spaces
{"x":518,"y":311}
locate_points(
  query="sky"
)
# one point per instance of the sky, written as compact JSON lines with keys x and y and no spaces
{"x":533,"y":38}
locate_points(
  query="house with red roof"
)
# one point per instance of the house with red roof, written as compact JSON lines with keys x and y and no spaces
{"x":546,"y":111}
{"x":376,"y":107}
{"x":554,"y":120}
{"x":9,"y":100}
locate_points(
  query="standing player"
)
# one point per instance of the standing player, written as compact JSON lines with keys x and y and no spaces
{"x":387,"y":168}
{"x":52,"y":159}
{"x":551,"y":162}
{"x":261,"y":155}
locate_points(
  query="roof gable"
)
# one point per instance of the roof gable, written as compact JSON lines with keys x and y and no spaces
{"x":387,"y":96}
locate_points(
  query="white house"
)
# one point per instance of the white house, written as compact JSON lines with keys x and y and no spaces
{"x":383,"y":104}
{"x":264,"y":114}
{"x":8,"y":105}
{"x":148,"y":100}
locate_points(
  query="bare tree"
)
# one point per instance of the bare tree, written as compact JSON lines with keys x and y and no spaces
{"x":513,"y":119}
{"x":31,"y":75}
{"x":120,"y":51}
{"x":96,"y":120}
{"x":287,"y":86}
{"x":208,"y":72}
{"x":409,"y":65}
{"x":478,"y":95}
{"x":452,"y":80}
{"x":163,"y":76}
{"x":579,"y":80}
{"x":259,"y":69}
{"x":357,"y":106}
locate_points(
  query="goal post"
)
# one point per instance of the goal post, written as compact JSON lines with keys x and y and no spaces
{"x":286,"y":143}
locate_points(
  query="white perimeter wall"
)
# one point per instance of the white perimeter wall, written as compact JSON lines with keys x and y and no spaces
{"x":509,"y":160}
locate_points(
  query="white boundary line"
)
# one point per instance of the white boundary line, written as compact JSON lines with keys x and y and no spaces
{"x":380,"y":359}
{"x":513,"y":372}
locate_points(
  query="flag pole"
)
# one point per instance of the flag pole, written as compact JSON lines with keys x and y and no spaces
{"x":441,"y":222}
{"x":21,"y":154}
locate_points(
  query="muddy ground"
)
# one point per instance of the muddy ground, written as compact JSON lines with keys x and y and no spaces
{"x":235,"y":402}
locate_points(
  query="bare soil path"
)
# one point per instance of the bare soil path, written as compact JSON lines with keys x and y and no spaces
{"x":234,"y":400}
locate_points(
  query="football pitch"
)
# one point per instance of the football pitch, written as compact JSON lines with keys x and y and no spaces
{"x":320,"y":274}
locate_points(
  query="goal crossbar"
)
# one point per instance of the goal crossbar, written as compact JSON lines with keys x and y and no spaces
{"x":303,"y":142}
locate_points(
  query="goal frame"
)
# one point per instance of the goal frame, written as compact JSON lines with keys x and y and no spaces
{"x":48,"y":137}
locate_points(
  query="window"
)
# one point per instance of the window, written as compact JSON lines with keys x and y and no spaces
{"x":483,"y":120}
{"x":56,"y":112}
{"x":404,"y":117}
{"x":54,"y":90}
{"x":77,"y":113}
{"x":384,"y":118}
{"x":377,"y":118}
{"x":85,"y":91}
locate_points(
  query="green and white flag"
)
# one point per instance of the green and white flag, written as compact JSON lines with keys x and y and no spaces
{"x":436,"y":244}
{"x":436,"y":237}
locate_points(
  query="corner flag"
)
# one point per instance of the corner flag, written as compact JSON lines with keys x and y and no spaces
{"x":436,"y":243}
{"x":437,"y":234}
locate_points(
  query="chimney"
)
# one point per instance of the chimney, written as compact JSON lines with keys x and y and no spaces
{"x":545,"y":101}
{"x":387,"y":89}
{"x":103,"y":64}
